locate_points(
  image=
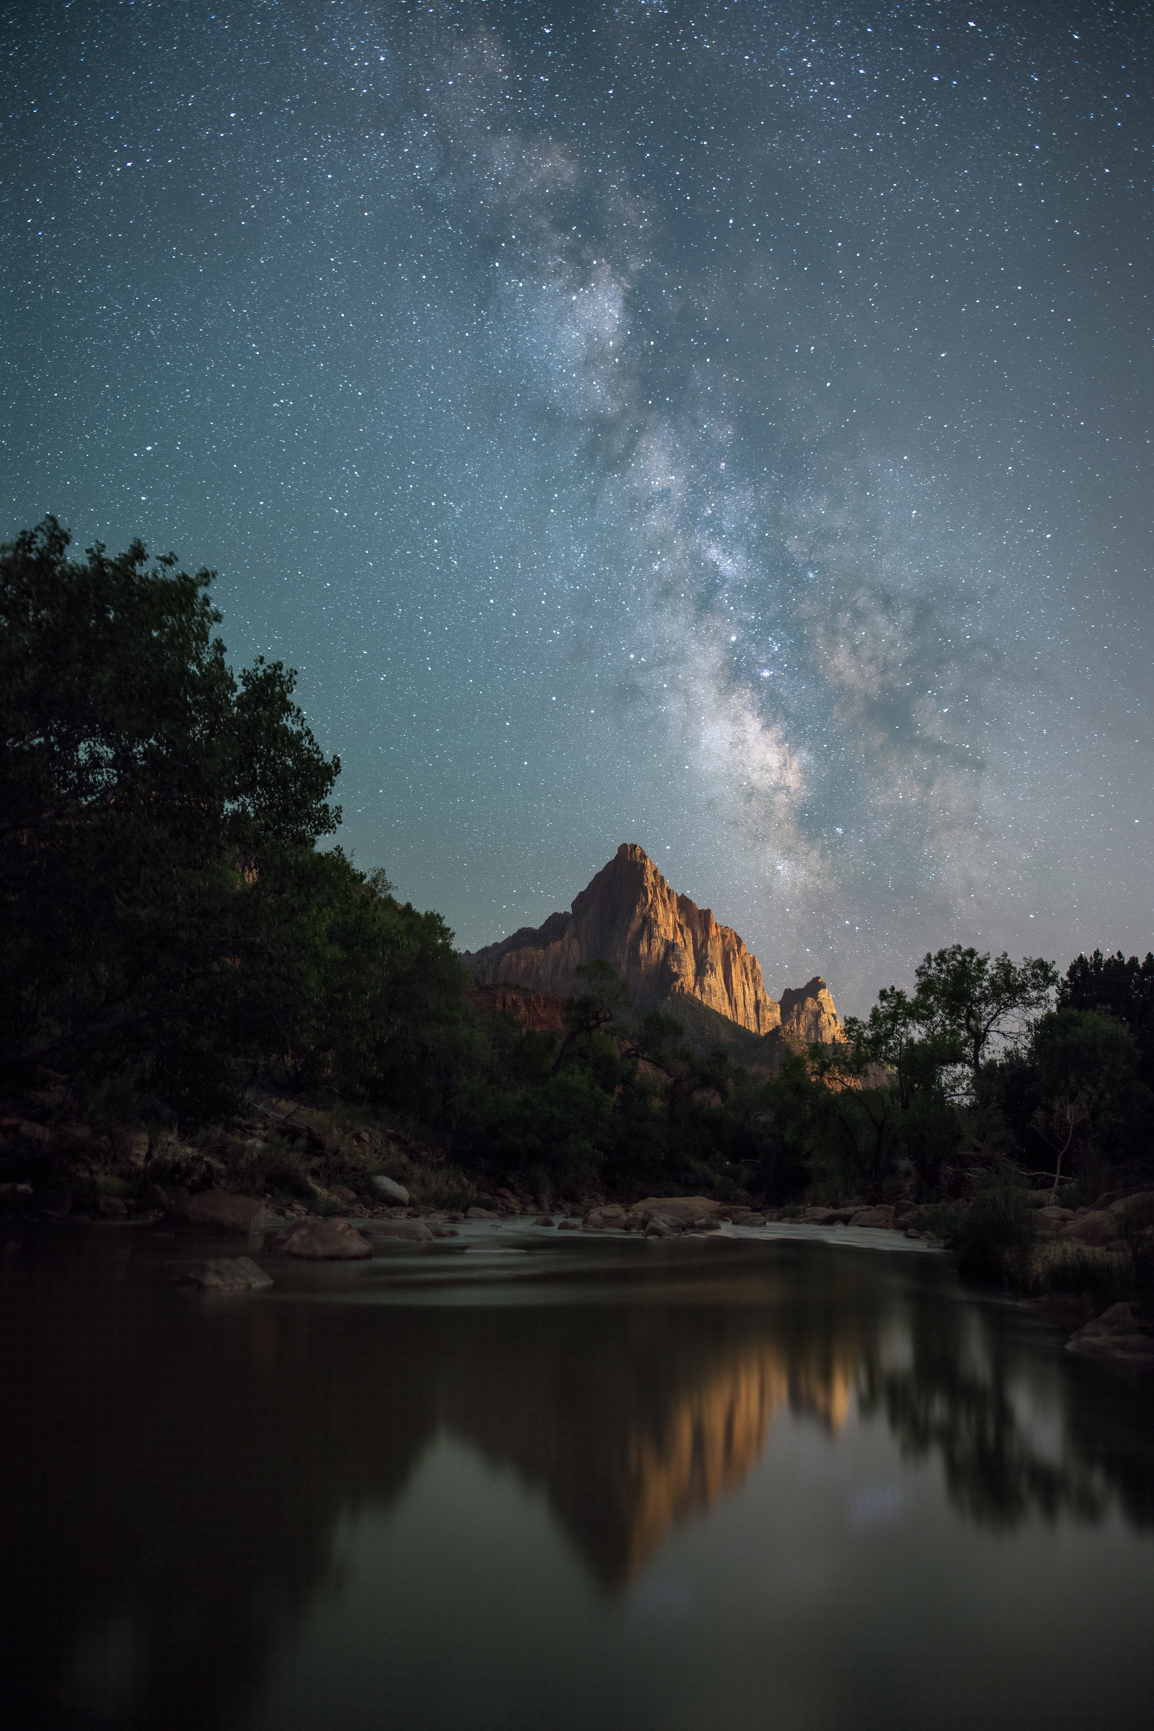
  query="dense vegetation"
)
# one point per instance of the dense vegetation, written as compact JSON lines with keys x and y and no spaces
{"x":172,"y":932}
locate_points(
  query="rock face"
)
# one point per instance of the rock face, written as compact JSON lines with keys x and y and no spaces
{"x":808,"y":1011}
{"x":661,"y":943}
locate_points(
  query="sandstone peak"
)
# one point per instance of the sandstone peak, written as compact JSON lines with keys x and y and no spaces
{"x":661,"y":943}
{"x":808,"y":1011}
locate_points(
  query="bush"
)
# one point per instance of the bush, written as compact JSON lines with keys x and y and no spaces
{"x":998,"y":1223}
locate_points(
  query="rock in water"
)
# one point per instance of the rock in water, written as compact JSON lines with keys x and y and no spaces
{"x":226,"y":1275}
{"x":322,"y":1240}
{"x":1118,"y":1335}
{"x":225,"y":1212}
{"x":411,"y":1229}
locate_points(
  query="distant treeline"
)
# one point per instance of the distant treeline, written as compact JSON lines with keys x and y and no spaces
{"x":170,"y":922}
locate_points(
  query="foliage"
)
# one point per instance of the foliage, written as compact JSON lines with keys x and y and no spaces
{"x":999,"y":1221}
{"x":165,"y":908}
{"x":964,"y":1001}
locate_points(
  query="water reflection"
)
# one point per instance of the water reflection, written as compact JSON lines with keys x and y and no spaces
{"x":172,"y":1474}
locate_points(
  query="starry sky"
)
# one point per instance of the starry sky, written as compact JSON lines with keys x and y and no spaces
{"x":723,"y":427}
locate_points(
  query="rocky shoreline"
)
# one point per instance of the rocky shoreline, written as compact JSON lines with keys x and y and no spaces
{"x":320,"y":1185}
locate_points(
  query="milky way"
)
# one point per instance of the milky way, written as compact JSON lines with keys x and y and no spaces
{"x":719,"y":427}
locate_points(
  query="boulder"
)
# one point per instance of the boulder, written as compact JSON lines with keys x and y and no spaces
{"x":111,"y":1208}
{"x":674,"y":1210}
{"x":658,"y":1228}
{"x":880,"y":1216}
{"x":1096,"y":1229}
{"x":568,"y":1226}
{"x":481,"y":1214}
{"x":609,"y":1215}
{"x":26,"y":1128}
{"x":1118,"y":1335}
{"x":389,"y":1187}
{"x":1052,"y":1219}
{"x":223,"y":1212}
{"x":227,"y":1275}
{"x":322,"y":1240}
{"x":1139,"y":1206}
{"x":413,"y":1230}
{"x":543,"y":1220}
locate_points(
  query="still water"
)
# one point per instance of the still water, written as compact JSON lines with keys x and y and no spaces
{"x":593,"y":1484}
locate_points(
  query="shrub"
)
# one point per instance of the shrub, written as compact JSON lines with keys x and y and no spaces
{"x":998,"y":1223}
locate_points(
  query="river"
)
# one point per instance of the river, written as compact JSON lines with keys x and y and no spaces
{"x":522,"y":1480}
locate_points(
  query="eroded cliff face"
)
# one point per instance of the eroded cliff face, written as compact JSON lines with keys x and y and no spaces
{"x":661,"y":943}
{"x":809,"y":1013}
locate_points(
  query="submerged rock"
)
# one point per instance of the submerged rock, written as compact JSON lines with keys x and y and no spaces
{"x":226,"y":1275}
{"x":323,"y":1240}
{"x":1118,"y":1335}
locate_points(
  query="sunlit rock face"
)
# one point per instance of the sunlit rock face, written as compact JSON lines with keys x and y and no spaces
{"x":543,"y":1012}
{"x":662,"y":944}
{"x":809,"y":1013}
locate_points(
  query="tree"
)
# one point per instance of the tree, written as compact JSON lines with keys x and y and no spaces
{"x":143,"y":789}
{"x":894,"y":1039}
{"x":1086,"y":1064}
{"x":963,"y":1001}
{"x":1123,"y":986}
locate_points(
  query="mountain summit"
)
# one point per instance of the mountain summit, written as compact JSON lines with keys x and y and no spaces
{"x":663,"y":944}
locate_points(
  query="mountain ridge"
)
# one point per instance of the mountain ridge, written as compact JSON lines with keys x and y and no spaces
{"x":667,"y":949}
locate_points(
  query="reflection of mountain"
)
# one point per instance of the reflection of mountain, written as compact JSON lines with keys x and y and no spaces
{"x":631,"y":1431}
{"x":172,"y":1474}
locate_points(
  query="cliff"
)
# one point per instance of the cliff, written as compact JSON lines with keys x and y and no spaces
{"x":808,"y":1011}
{"x":662,"y":944}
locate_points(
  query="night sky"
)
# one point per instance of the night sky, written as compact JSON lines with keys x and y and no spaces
{"x":720,"y":427}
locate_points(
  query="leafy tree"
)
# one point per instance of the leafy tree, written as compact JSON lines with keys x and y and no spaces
{"x":145,"y":791}
{"x":1086,"y":1065}
{"x":894,"y":1040}
{"x":1124,"y":987}
{"x":857,"y":1123}
{"x":772,"y":1123}
{"x":964,"y":1001}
